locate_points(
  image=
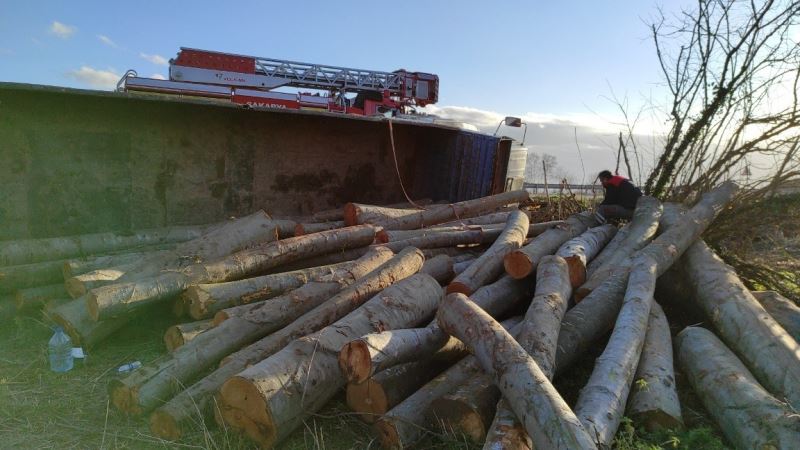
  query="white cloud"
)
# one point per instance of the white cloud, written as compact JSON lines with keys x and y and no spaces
{"x":155,"y":59}
{"x":158,"y":76}
{"x":107,"y":40}
{"x":62,"y":30}
{"x":100,"y":79}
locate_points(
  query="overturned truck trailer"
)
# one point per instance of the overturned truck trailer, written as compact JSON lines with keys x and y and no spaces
{"x":77,"y":161}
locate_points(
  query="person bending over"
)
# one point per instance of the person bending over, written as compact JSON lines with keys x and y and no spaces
{"x":620,"y":198}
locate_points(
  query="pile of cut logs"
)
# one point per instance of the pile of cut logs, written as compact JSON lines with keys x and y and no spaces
{"x":411,"y":309}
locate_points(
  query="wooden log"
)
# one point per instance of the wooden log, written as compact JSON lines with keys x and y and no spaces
{"x":372,"y":353}
{"x":489,"y":265}
{"x":746,"y":413}
{"x":361,"y":214}
{"x":336,"y":257}
{"x":277,"y":394}
{"x":462,"y":266}
{"x":454,"y":211}
{"x":407,"y":422}
{"x":772,"y":355}
{"x":59,"y":248}
{"x":386,"y":236}
{"x":783,"y":310}
{"x":547,"y":418}
{"x":121,"y":299}
{"x":594,"y":316}
{"x":523,"y":262}
{"x":338,"y":213}
{"x":36,"y":297}
{"x":439,"y":267}
{"x":178,"y":335}
{"x":169,"y":420}
{"x":486,"y":219}
{"x":601,"y":402}
{"x":377,"y":395}
{"x":204,"y":300}
{"x":538,"y":336}
{"x":654,"y":402}
{"x":308,"y":228}
{"x":641,"y":231}
{"x":84,"y":332}
{"x":152,"y":385}
{"x":609,"y":250}
{"x":468,"y":410}
{"x":24,"y":276}
{"x":78,"y":266}
{"x":436,"y":240}
{"x":578,"y":251}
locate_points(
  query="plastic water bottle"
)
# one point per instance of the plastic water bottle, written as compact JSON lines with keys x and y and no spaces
{"x":60,"y":351}
{"x":129,"y":367}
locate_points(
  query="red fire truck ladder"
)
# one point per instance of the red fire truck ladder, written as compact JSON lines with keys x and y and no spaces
{"x":249,"y":80}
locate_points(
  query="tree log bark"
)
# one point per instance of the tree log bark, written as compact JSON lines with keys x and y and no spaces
{"x":641,"y":231}
{"x":169,"y":420}
{"x":277,"y":394}
{"x":783,"y":310}
{"x":204,"y":300}
{"x":406,"y":423}
{"x":178,"y":335}
{"x":49,"y":249}
{"x":33,"y":298}
{"x":29,"y":275}
{"x":151,"y":386}
{"x":372,"y":353}
{"x":454,"y":211}
{"x":308,"y":228}
{"x":489,"y":265}
{"x":78,"y":266}
{"x":523,"y":262}
{"x":436,"y":240}
{"x":548,"y":420}
{"x":121,"y":299}
{"x":654,"y":400}
{"x":83,"y":331}
{"x":578,"y":251}
{"x":744,"y":325}
{"x":601,"y":402}
{"x":468,"y":410}
{"x":440,"y":267}
{"x":594,"y":316}
{"x":609,"y":250}
{"x":746,"y":413}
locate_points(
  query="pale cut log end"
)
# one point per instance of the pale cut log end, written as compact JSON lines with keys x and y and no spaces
{"x":197,"y":300}
{"x":368,"y":399}
{"x":241,"y":394}
{"x":456,"y":417}
{"x":509,"y":438}
{"x":381,"y":237}
{"x":459,"y":287}
{"x":657,"y":420}
{"x":518,"y":265}
{"x":355,"y":361}
{"x":228,"y":417}
{"x":387,"y":434}
{"x":92,"y":307}
{"x":75,"y":288}
{"x":350,"y":214}
{"x":577,"y":271}
{"x":173,"y":338}
{"x":120,"y":395}
{"x":64,"y":322}
{"x":163,"y":425}
{"x":219,"y":317}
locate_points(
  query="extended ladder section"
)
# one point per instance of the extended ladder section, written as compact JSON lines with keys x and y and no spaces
{"x":249,"y":80}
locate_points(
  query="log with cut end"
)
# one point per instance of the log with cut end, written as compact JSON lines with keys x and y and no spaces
{"x":601,"y":402}
{"x":360,"y":214}
{"x":654,"y":400}
{"x":121,"y":299}
{"x":36,"y":297}
{"x":523,"y":262}
{"x":641,"y":231}
{"x":746,"y":413}
{"x":169,"y":420}
{"x":178,"y":335}
{"x":378,"y":394}
{"x":547,"y":418}
{"x":578,"y":251}
{"x":29,"y":275}
{"x":594,"y":316}
{"x":406,"y":423}
{"x":59,"y":248}
{"x":783,"y":310}
{"x":770,"y":353}
{"x":609,"y":250}
{"x":277,"y":394}
{"x":445,"y":213}
{"x":308,"y":228}
{"x":84,"y":331}
{"x":150,"y":387}
{"x":204,"y":300}
{"x":489,"y":265}
{"x":538,"y":335}
{"x":468,"y":410}
{"x":370,"y":354}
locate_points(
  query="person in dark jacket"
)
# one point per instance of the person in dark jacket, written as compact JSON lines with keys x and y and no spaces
{"x":620,"y":198}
